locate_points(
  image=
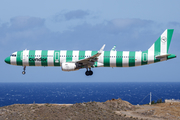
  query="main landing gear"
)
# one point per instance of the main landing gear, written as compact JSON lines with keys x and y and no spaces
{"x":23,"y":72}
{"x":89,"y":72}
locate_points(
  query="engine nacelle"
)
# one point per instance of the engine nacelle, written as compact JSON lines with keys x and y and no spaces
{"x":68,"y":67}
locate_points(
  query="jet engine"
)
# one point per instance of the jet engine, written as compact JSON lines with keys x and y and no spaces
{"x":68,"y":66}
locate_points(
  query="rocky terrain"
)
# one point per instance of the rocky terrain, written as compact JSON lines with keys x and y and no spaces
{"x":115,"y":109}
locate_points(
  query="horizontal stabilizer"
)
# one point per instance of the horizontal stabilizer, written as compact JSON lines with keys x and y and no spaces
{"x":162,"y":56}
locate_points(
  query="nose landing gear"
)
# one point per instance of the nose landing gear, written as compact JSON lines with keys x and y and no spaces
{"x":23,"y":72}
{"x":89,"y":72}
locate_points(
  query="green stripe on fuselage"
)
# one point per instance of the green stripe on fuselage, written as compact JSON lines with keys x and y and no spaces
{"x":93,"y":53}
{"x":157,"y":49}
{"x":131,"y":58}
{"x":56,"y":58}
{"x":31,"y":58}
{"x":44,"y":53}
{"x":119,"y":55}
{"x":19,"y":57}
{"x":81,"y":55}
{"x":106,"y":58}
{"x":69,"y":55}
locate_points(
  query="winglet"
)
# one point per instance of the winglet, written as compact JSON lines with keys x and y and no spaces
{"x":100,"y":51}
{"x":114,"y":48}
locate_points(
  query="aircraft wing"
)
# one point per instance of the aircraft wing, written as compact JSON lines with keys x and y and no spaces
{"x":90,"y":60}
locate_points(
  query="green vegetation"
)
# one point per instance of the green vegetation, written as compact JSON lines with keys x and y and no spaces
{"x":158,"y":101}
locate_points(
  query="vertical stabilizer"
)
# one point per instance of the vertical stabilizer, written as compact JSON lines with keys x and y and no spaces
{"x":161,"y":46}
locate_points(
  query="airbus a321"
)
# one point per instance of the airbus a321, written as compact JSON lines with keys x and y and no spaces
{"x":71,"y":60}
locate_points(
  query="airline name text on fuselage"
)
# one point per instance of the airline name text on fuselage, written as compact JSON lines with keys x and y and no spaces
{"x":37,"y":59}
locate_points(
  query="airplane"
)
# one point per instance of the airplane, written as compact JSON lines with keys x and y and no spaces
{"x":71,"y":60}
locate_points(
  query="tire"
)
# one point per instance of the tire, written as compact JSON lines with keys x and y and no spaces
{"x":23,"y":72}
{"x":91,"y":72}
{"x":87,"y":73}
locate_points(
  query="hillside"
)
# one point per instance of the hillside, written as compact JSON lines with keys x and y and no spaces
{"x":115,"y":109}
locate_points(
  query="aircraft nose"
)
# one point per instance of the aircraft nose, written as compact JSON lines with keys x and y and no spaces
{"x":7,"y":60}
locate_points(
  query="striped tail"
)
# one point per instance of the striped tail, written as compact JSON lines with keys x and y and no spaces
{"x":161,"y":46}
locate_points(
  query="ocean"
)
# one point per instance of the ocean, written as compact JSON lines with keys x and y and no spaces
{"x":70,"y":93}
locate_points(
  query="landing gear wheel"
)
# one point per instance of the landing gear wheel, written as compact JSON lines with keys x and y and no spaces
{"x":23,"y":72}
{"x":89,"y":73}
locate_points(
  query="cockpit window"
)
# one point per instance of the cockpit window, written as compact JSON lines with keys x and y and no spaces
{"x":14,"y":55}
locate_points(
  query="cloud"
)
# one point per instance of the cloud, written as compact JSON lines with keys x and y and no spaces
{"x":125,"y":33}
{"x":24,"y":23}
{"x":174,"y":24}
{"x":23,"y":29}
{"x":20,"y":26}
{"x":77,"y":14}
{"x":127,"y":25}
{"x":71,"y":15}
{"x":116,"y":31}
{"x":124,"y":23}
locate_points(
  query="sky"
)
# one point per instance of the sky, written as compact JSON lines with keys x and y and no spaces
{"x":131,"y":25}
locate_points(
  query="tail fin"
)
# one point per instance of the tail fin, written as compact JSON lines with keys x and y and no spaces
{"x":161,"y":46}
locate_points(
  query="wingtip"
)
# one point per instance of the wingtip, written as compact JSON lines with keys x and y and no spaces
{"x":102,"y":49}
